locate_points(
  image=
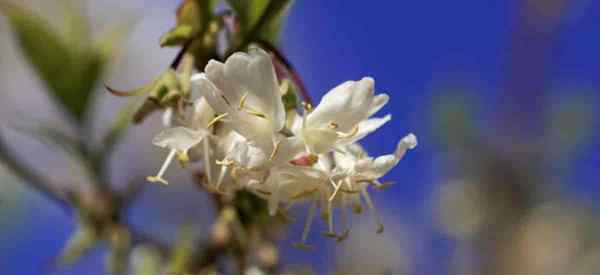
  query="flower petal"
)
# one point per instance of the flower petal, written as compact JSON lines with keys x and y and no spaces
{"x":201,"y":85}
{"x":366,"y":127}
{"x":179,"y":138}
{"x":345,"y":105}
{"x":406,"y":143}
{"x":379,"y":101}
{"x":250,"y":78}
{"x":203,"y":113}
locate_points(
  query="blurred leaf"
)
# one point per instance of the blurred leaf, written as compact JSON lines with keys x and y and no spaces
{"x":248,"y":11}
{"x":163,"y":91}
{"x":193,"y":19}
{"x":78,"y":245}
{"x":182,"y":253}
{"x":251,"y":12}
{"x":146,"y":261}
{"x":271,"y":30}
{"x":69,"y":71}
{"x":120,"y":245}
{"x":177,"y":36}
{"x":453,"y":120}
{"x":570,"y":123}
{"x":106,"y":43}
{"x":77,"y":27}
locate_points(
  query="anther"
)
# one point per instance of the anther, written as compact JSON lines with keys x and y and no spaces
{"x":216,"y":119}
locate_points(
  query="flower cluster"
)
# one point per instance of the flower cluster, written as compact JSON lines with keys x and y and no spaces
{"x":247,"y":138}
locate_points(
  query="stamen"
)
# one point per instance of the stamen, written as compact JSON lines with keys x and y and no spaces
{"x":312,"y":211}
{"x":263,"y":192}
{"x":183,"y":158}
{"x":380,"y":186}
{"x":372,"y":208}
{"x":275,"y":149}
{"x":357,"y":205}
{"x":243,"y":100}
{"x":349,"y":184}
{"x":350,"y":134}
{"x":216,"y":119}
{"x":163,"y":168}
{"x":255,"y":113}
{"x":225,"y":163}
{"x":333,"y":125}
{"x":207,"y":167}
{"x":303,"y":194}
{"x":330,"y":217}
{"x":307,"y":106}
{"x":221,"y":175}
{"x":344,"y":209}
{"x":335,"y":190}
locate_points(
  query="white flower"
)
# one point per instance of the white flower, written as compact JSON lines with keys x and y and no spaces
{"x":245,"y":93}
{"x":354,"y":171}
{"x":341,"y":116}
{"x":354,"y":160}
{"x":180,"y":139}
{"x":240,"y":124}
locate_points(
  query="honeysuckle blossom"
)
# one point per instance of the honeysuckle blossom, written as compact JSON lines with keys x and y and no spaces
{"x":180,"y":139}
{"x":245,"y":138}
{"x":342,"y":116}
{"x":245,"y":93}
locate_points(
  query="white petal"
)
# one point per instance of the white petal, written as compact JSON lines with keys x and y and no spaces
{"x":254,"y":128}
{"x":368,"y":126}
{"x":203,"y":113}
{"x":265,"y":87}
{"x":252,"y":77}
{"x":379,"y":101}
{"x":319,"y":141}
{"x":289,"y":149}
{"x":274,"y":201}
{"x":247,"y":155}
{"x":179,"y":138}
{"x":346,"y":105}
{"x":374,"y":169}
{"x":203,"y":86}
{"x":167,"y":117}
{"x":406,"y":143}
{"x":381,"y":165}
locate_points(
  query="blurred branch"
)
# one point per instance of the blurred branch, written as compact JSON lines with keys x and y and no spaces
{"x":33,"y":179}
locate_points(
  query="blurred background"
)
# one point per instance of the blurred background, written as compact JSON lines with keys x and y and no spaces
{"x":503,"y":96}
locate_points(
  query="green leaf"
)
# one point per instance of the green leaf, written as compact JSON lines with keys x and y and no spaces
{"x":177,"y":36}
{"x":78,"y":245}
{"x":248,"y":11}
{"x":193,"y":18}
{"x":261,"y":18}
{"x":69,"y":70}
{"x":163,"y":91}
{"x":271,"y":30}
